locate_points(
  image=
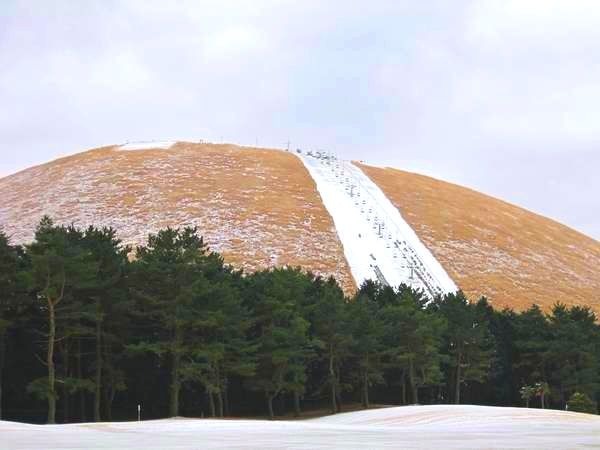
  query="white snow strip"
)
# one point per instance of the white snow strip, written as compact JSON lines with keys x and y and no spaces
{"x":147,"y":145}
{"x":408,"y":427}
{"x":378,"y":243}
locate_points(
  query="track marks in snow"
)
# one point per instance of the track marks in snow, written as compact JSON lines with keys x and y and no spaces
{"x":378,"y":243}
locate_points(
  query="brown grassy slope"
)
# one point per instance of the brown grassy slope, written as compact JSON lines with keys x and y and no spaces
{"x":258,"y":207}
{"x":492,"y":248}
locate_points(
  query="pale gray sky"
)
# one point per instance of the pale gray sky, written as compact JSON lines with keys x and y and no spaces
{"x":502,"y":96}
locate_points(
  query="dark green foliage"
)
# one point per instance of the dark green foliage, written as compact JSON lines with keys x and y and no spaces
{"x":468,"y":342}
{"x":527,"y":393}
{"x":328,"y":316}
{"x":9,"y":286}
{"x":220,"y":348}
{"x":174,"y":329}
{"x":60,"y":266}
{"x":105,"y":299}
{"x":579,"y":402}
{"x":170,"y":280}
{"x":573,"y":351}
{"x":280,"y":333}
{"x":532,"y":340}
{"x":366,"y":348}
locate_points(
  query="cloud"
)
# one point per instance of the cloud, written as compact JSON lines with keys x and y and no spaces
{"x":533,"y":69}
{"x":535,"y":22}
{"x":233,"y":43}
{"x":460,"y":90}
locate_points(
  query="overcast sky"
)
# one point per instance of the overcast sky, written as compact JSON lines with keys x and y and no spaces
{"x":502,"y":96}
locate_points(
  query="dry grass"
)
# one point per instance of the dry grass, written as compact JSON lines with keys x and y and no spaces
{"x":492,"y":248}
{"x":258,"y":207}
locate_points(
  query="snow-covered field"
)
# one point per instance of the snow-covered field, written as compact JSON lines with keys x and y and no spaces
{"x":378,"y":242}
{"x":440,"y":427}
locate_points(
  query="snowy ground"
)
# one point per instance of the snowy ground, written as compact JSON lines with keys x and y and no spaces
{"x":441,"y":426}
{"x":378,"y":242}
{"x":147,"y":145}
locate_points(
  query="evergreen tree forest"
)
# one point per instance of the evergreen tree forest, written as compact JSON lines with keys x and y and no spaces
{"x":90,"y":329}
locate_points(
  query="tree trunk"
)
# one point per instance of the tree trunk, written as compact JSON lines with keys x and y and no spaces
{"x":50,"y":363}
{"x":338,"y":393}
{"x":220,"y":403}
{"x":270,"y":406}
{"x":296,"y":404}
{"x":108,"y":388}
{"x":109,"y":396}
{"x":226,"y":398}
{"x":211,"y":403}
{"x":66,"y":395}
{"x":562,"y":399}
{"x":413,"y":384}
{"x":457,"y":385}
{"x":403,"y":388}
{"x":99,"y":361}
{"x":281,"y":399}
{"x":332,"y":381}
{"x":82,"y":408}
{"x":365,"y":395}
{"x":542,"y":400}
{"x":2,"y":356}
{"x":175,"y":382}
{"x":526,"y":403}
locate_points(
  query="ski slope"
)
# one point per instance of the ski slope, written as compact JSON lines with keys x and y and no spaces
{"x":408,"y":427}
{"x":378,"y":243}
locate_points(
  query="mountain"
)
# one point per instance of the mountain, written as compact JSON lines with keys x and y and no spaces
{"x":264,"y":207}
{"x":490,"y":247}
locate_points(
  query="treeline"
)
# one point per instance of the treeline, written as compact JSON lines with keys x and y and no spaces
{"x":88,"y":332}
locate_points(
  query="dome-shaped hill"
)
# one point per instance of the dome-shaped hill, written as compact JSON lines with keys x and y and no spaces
{"x":258,"y":207}
{"x":261,"y":208}
{"x":492,"y":248}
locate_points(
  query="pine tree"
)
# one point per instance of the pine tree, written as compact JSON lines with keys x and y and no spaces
{"x":366,"y":327}
{"x":331,"y":333}
{"x":9,"y":270}
{"x":527,"y":392}
{"x":220,"y":349}
{"x":412,"y":339}
{"x":573,"y":350}
{"x":164,"y":275}
{"x":532,"y":341}
{"x":59,"y":266}
{"x":502,"y":385}
{"x":280,"y":332}
{"x":467,"y":340}
{"x":106,"y":296}
{"x":579,"y":402}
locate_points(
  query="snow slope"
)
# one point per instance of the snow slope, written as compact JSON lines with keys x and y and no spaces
{"x":378,"y":242}
{"x":440,"y":426}
{"x":146,"y":145}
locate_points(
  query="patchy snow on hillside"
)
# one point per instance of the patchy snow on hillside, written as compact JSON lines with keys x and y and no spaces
{"x":377,"y":241}
{"x":408,"y":427}
{"x":146,"y":145}
{"x":257,"y":208}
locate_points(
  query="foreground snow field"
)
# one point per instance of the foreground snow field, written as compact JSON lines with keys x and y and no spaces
{"x":440,"y":427}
